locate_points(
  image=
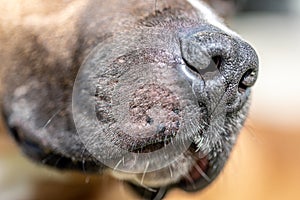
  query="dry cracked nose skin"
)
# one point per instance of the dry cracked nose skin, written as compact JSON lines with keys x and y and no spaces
{"x":154,"y":105}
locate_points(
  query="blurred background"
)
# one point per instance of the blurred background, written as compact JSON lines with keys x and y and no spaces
{"x":265,"y":164}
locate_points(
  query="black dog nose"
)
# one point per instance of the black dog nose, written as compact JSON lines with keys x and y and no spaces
{"x":221,"y":68}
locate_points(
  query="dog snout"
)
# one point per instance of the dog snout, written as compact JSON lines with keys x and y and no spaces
{"x":220,"y":68}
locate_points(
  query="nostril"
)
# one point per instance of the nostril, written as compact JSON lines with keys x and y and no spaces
{"x":214,"y":65}
{"x":248,"y":79}
{"x":217,"y":61}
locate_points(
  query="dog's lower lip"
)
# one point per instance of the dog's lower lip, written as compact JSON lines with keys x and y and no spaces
{"x":196,"y":173}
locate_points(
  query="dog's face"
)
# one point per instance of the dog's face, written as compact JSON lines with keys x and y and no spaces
{"x":150,"y":92}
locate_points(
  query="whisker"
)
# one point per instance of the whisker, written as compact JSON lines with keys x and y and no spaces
{"x":144,"y":173}
{"x":171,"y":172}
{"x":149,"y":189}
{"x":44,"y":161}
{"x":57,"y":161}
{"x":117,"y":165}
{"x":83,"y":160}
{"x":203,"y":174}
{"x":253,"y":131}
{"x":190,"y":179}
{"x":51,"y":118}
{"x":83,"y":166}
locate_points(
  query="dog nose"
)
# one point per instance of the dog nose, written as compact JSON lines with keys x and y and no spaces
{"x":220,"y":68}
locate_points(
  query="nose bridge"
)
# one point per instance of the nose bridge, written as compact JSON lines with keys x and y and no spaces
{"x":223,"y":67}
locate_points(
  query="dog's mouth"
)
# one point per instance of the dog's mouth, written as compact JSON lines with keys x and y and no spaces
{"x":197,"y":173}
{"x":201,"y":173}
